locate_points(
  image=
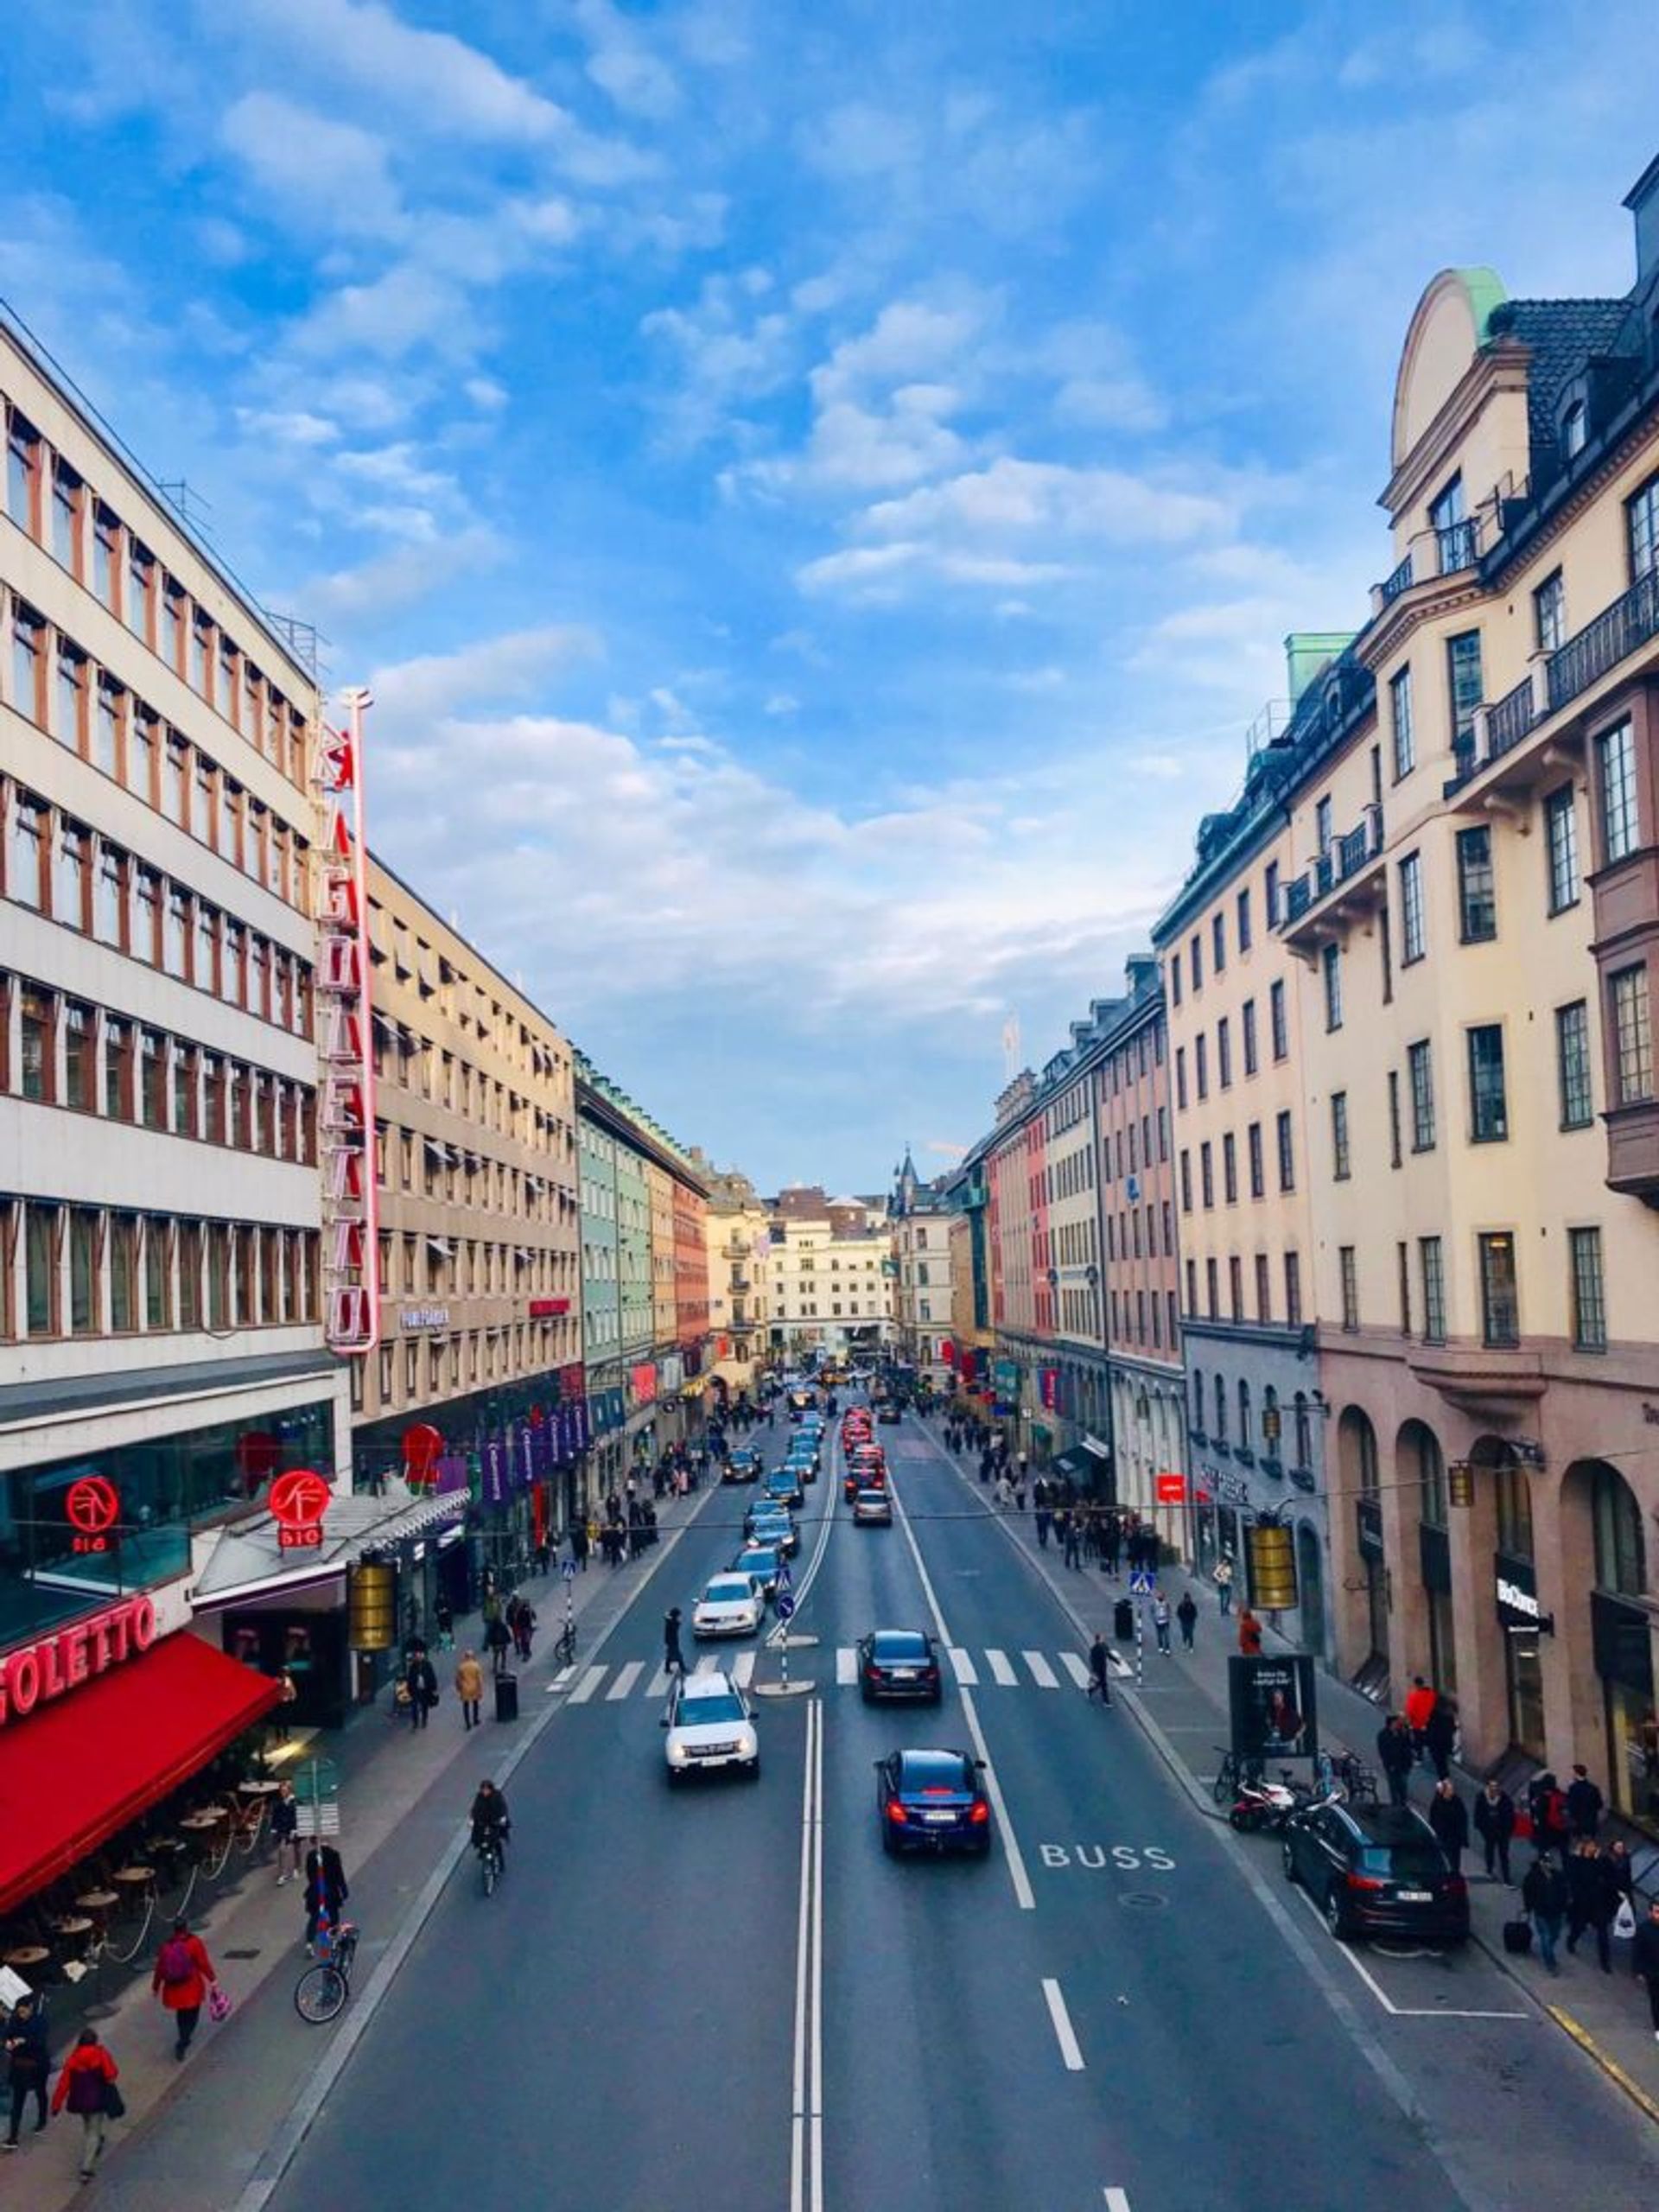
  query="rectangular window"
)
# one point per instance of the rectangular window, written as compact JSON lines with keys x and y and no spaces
{"x":1293,"y":1290}
{"x":1331,"y":977}
{"x":1195,"y":959}
{"x":1235,"y":1288}
{"x":105,"y":556}
{"x":1286,"y":1153}
{"x":1270,"y":892}
{"x":1180,"y":1077}
{"x":22,"y":467}
{"x":1223,"y":1054}
{"x":118,"y":1069}
{"x":1348,"y":1270}
{"x":1477,"y":892}
{"x":80,"y":1058}
{"x":1201,"y":1064}
{"x":174,"y":778}
{"x":1642,"y":521}
{"x":1454,"y":535}
{"x":1341,"y":1165}
{"x":1219,"y":942}
{"x":1589,"y":1294}
{"x":1421,"y":1069}
{"x":1561,"y":845}
{"x":1488,"y":1115}
{"x":40,"y":1269}
{"x":1394,"y":1118}
{"x":1500,"y":1307}
{"x":152,"y":1079}
{"x":1246,"y":1018}
{"x":1253,"y":1146}
{"x":65,"y":514}
{"x":1278,"y":1022}
{"x":107,"y":729}
{"x":1206,"y":1174}
{"x":83,"y":1272}
{"x":1573,"y":1064}
{"x":1212,"y":1289}
{"x":1323,"y":825}
{"x":1616,"y":787}
{"x":1632,"y":1026}
{"x":1263,"y":1294}
{"x":1230,"y":1169}
{"x":140,"y":570}
{"x":1242,"y":905}
{"x":1175,"y":977}
{"x":37,"y":1044}
{"x":28,"y":648}
{"x":70,"y":864}
{"x":158,"y":1276}
{"x":1431,"y":1268}
{"x":1403,"y":735}
{"x":1464,"y":686}
{"x":71,"y":697}
{"x":1403,"y":1266}
{"x":1413,"y":937}
{"x":1550,"y":614}
{"x":124,"y":1273}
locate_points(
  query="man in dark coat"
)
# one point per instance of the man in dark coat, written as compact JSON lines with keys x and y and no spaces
{"x":673,"y":1657}
{"x":1543,"y":1893}
{"x":498,"y":1642}
{"x":1449,"y":1818}
{"x":29,"y":2062}
{"x":1584,"y":1803}
{"x":1495,"y":1825}
{"x":1592,"y":1899}
{"x":1440,"y":1733}
{"x":1395,"y":1756}
{"x":420,"y":1679}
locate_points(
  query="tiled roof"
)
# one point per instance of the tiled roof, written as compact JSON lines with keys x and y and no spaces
{"x":1563,"y":335}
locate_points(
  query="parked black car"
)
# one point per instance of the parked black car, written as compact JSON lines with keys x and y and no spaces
{"x":1376,"y":1870}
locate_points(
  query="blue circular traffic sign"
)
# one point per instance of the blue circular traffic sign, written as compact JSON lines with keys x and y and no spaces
{"x":785,"y":1605}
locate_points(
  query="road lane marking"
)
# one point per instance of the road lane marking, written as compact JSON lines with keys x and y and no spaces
{"x":1001,"y":1668}
{"x":627,"y":1676}
{"x":743,"y":1668}
{"x":1025,"y":1896}
{"x":589,"y":1682}
{"x":816,"y":2163}
{"x":806,"y":2113}
{"x":657,"y":1686}
{"x":828,"y":1485}
{"x":967,"y":1673}
{"x":846,"y":1665}
{"x":1399,"y":2012}
{"x":1117,"y":2200}
{"x":563,"y":1679}
{"x":1078,"y":1669}
{"x":1065,"y":2034}
{"x":1042,"y":1673}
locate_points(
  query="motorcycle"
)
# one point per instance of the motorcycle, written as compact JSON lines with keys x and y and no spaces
{"x":1263,"y":1804}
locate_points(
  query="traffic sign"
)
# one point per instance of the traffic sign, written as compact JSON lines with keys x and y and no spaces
{"x":1139,"y":1582}
{"x":567,"y":1569}
{"x":785,"y":1605}
{"x":786,"y":1579}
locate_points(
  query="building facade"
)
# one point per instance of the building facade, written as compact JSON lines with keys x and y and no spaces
{"x":921,"y":1254}
{"x":739,"y":1272}
{"x":832,"y":1279}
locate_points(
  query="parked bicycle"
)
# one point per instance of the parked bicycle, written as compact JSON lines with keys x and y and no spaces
{"x":1346,"y":1772}
{"x":319,"y":1994}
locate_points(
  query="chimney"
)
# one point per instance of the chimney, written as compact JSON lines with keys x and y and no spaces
{"x":1643,"y":201}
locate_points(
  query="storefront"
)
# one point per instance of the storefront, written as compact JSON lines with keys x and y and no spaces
{"x":1524,"y":1624}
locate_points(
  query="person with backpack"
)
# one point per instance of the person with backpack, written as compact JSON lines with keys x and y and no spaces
{"x":86,"y":2085}
{"x":524,"y":1627}
{"x":29,"y":2064}
{"x":498,"y":1642}
{"x":184,"y":1974}
{"x":1187,"y":1614}
{"x":1546,"y":1806}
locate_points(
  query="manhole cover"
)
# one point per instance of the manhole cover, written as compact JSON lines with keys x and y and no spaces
{"x":239,"y":1954}
{"x":1141,"y":1900}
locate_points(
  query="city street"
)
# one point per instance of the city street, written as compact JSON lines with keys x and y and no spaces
{"x":730,"y":1990}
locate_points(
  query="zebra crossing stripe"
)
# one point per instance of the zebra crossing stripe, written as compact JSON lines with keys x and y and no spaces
{"x":635,"y":1676}
{"x":1001,"y":1668}
{"x":967,"y":1673}
{"x":1077,"y":1668}
{"x":1042,"y":1673}
{"x":657,"y":1686}
{"x":627,"y":1676}
{"x":589,"y":1682}
{"x":743,"y":1668}
{"x":846,"y":1665}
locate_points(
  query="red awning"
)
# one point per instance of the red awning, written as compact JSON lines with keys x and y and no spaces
{"x":73,"y":1772}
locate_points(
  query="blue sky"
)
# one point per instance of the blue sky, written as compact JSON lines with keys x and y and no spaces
{"x":819,"y":491}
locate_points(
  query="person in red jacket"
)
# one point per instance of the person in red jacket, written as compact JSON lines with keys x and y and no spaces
{"x":88,"y":2074}
{"x":183,"y":1972}
{"x":1420,"y":1701}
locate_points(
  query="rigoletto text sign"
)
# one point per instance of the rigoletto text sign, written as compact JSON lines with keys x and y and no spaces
{"x":346,"y":1109}
{"x":37,"y":1673}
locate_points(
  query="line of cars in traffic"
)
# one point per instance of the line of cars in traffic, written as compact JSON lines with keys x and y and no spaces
{"x":865,"y":1483}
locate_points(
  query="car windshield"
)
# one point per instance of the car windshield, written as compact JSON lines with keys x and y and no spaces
{"x":933,"y":1770}
{"x":899,"y":1643}
{"x":872,"y":1497}
{"x":1413,"y":1864}
{"x":758,"y":1562}
{"x":700,"y":1711}
{"x":727,"y":1590}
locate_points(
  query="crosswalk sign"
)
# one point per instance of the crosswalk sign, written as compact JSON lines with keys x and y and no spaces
{"x":1139,"y":1582}
{"x":786,"y":1579}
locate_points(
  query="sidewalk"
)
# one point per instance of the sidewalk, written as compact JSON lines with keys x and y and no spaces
{"x":254,"y":2064}
{"x":1183,"y":1708}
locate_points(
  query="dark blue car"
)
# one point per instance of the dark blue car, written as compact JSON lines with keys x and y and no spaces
{"x":932,"y":1801}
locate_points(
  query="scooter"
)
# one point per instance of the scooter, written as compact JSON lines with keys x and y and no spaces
{"x":1263,"y":1804}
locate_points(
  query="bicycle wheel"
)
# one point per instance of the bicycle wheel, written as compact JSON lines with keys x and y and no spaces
{"x":319,"y":1994}
{"x":487,"y":1860}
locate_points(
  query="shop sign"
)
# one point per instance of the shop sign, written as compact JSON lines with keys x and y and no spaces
{"x":1171,"y":1490}
{"x":642,"y":1384}
{"x":1515,"y":1587}
{"x":37,"y":1673}
{"x":94,"y":1507}
{"x":1049,"y":1385}
{"x":546,"y":1309}
{"x":421,"y":1446}
{"x":1271,"y":1706}
{"x":298,"y":1501}
{"x":424,"y":1317}
{"x":351,"y":1304}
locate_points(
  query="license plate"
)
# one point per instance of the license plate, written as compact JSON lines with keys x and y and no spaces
{"x":904,"y":1673}
{"x":1415,"y":1896}
{"x":940,"y":1819}
{"x":712,"y":1750}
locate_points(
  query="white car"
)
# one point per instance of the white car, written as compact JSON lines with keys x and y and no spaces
{"x":733,"y":1604}
{"x":709,"y":1724}
{"x":872,"y":1508}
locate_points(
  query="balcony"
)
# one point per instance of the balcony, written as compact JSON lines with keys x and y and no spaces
{"x":1482,"y":1380}
{"x":1633,"y":1151}
{"x":1431,"y":556}
{"x":1274,"y":1470}
{"x":1347,"y":881}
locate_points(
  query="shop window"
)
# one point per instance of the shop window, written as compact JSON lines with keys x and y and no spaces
{"x":1621,"y":1544}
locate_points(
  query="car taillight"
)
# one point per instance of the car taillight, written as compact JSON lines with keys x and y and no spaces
{"x":981,"y":1813}
{"x":1365,"y":1882}
{"x":1456,"y":1887}
{"x":896,"y":1812}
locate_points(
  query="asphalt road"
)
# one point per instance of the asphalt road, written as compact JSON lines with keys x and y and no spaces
{"x":728,"y":1995}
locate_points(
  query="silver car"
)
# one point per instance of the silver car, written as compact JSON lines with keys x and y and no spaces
{"x":710,"y":1724}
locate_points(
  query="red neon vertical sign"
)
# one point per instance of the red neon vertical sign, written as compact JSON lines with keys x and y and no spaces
{"x":351,"y":1205}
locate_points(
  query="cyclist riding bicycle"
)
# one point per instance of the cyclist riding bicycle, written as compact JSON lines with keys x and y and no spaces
{"x":490,"y":1824}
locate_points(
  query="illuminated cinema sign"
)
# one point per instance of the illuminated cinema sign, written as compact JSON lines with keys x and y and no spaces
{"x":351,"y":1289}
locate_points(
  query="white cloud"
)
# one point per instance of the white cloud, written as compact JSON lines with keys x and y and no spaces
{"x":334,"y":175}
{"x":375,"y":588}
{"x":414,"y":694}
{"x":622,"y":64}
{"x":1012,"y":498}
{"x":288,"y":426}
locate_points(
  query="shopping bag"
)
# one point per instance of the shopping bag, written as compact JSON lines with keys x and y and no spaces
{"x":218,"y":2005}
{"x":1624,"y":1921}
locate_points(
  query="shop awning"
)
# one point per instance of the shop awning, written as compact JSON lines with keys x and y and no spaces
{"x":1074,"y":1463}
{"x":249,"y":1563}
{"x":75,"y":1771}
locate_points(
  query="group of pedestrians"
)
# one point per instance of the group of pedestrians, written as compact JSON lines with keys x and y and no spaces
{"x":85,"y":2086}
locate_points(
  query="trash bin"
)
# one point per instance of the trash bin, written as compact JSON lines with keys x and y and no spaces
{"x":506,"y":1697}
{"x":1123,"y":1620}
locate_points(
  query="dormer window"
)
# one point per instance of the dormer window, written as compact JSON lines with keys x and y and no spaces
{"x":1575,"y":429}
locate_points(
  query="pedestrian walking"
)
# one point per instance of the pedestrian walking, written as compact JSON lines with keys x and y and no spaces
{"x":1449,"y":1818}
{"x":1395,"y":1756}
{"x":1440,"y":1735}
{"x":444,"y":1614}
{"x":1546,"y":1808}
{"x":1161,"y":1620}
{"x":326,"y":1890}
{"x":579,"y":1545}
{"x":469,"y":1689}
{"x":1071,"y":1539}
{"x":183,"y":1976}
{"x":285,"y":1832}
{"x":1543,"y":1895}
{"x":86,"y":2085}
{"x":281,"y":1720}
{"x":1585,"y":1803}
{"x":1644,"y":1961}
{"x":1187,"y":1614}
{"x":1495,"y":1825}
{"x":1222,"y":1576}
{"x":673,"y":1657}
{"x":1420,"y":1703}
{"x":422,"y":1683}
{"x":1249,"y":1634}
{"x":1040,"y":1516}
{"x":523,"y":1628}
{"x":29,"y":2064}
{"x":1592,"y":1900}
{"x":1111,"y":1544}
{"x":498,"y":1642}
{"x":1099,"y":1669}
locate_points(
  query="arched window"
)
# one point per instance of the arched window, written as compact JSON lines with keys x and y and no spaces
{"x":1244,"y":1416}
{"x":1621,"y":1549}
{"x":1197,"y":1400}
{"x":1221,"y":1411}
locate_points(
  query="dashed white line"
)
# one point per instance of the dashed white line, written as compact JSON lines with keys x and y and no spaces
{"x":589,"y":1682}
{"x":1065,"y":2034}
{"x":1001,"y":1668}
{"x":1042,"y":1674}
{"x":846,"y":1664}
{"x":627,"y":1676}
{"x":967,"y":1673}
{"x":1117,"y":2200}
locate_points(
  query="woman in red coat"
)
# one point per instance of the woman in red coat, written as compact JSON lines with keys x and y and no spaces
{"x":84,"y":2085}
{"x":183,"y":1970}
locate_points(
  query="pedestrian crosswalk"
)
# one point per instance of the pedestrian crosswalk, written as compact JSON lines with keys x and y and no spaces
{"x":629,"y":1678}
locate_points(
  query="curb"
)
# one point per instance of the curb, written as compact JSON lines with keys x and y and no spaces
{"x":1610,"y":2067}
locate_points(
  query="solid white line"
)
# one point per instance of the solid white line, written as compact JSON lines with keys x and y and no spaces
{"x":743,"y":1668}
{"x":627,"y":1676}
{"x":827,"y":1489}
{"x":1001,"y":1668}
{"x":803,"y":1938}
{"x":1117,"y":2200}
{"x":1025,"y":1896}
{"x":589,"y":1682}
{"x":1042,"y":1673}
{"x":1077,"y":1668}
{"x":846,"y":1665}
{"x":967,"y":1673}
{"x":816,"y":2159}
{"x":1347,"y":1951}
{"x":1064,"y":2032}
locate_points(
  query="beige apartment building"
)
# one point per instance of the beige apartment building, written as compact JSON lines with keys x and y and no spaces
{"x":832,"y":1284}
{"x":920,"y":1224}
{"x":1473,"y":902}
{"x":736,"y":1234}
{"x":665,"y":1313}
{"x":480,"y":1293}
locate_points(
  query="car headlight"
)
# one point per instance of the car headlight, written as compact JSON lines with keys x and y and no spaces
{"x":676,"y":1753}
{"x":751,"y":1743}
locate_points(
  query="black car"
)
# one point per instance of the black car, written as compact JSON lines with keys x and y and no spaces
{"x":932,"y":1801}
{"x":888,"y":1413}
{"x":742,"y":1465}
{"x":1376,"y":1870}
{"x":899,"y":1663}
